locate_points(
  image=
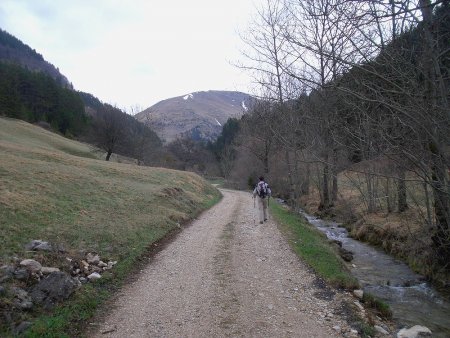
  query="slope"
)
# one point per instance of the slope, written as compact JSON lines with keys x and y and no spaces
{"x":198,"y":115}
{"x":83,"y":204}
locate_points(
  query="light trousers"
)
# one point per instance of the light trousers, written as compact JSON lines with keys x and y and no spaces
{"x":262,"y":208}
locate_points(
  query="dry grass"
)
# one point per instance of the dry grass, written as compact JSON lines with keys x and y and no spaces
{"x":83,"y":203}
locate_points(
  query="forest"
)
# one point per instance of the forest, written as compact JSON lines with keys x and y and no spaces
{"x":353,"y":119}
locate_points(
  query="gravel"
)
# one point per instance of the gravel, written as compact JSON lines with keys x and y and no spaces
{"x":225,"y":276}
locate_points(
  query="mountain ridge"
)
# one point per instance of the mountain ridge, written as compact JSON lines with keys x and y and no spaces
{"x":198,"y":115}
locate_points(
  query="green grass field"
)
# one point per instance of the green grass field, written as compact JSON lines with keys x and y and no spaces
{"x":57,"y":190}
{"x":313,"y":247}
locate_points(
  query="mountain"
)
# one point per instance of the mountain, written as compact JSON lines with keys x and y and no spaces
{"x":198,"y":115}
{"x":12,"y":50}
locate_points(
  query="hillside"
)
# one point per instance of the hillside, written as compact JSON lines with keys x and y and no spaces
{"x":15,"y":51}
{"x":199,"y":115}
{"x":54,"y":189}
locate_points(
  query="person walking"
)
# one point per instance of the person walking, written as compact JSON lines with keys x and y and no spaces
{"x":262,"y":193}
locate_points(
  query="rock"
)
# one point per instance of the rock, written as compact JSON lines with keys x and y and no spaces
{"x":38,"y":245}
{"x":417,"y":331}
{"x":358,"y":294}
{"x":53,"y":289}
{"x":359,"y":306}
{"x":380,"y":329}
{"x":94,"y":276}
{"x":92,"y":259}
{"x":22,"y":274}
{"x":31,"y":265}
{"x":6,"y":273}
{"x":335,"y":241}
{"x":22,"y":327}
{"x":109,"y":329}
{"x":102,"y":264}
{"x":337,"y":328}
{"x":46,"y":270}
{"x":111,"y":264}
{"x":22,"y":299}
{"x":346,"y":254}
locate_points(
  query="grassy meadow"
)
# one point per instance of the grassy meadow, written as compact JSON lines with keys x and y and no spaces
{"x":58,"y":190}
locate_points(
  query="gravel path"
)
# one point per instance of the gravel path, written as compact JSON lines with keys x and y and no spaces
{"x":226,"y":276}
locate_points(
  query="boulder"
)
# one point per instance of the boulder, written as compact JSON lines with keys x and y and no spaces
{"x":53,"y":289}
{"x":22,"y":274}
{"x":22,"y":299}
{"x":92,"y":258}
{"x":417,"y":331}
{"x":358,"y":294}
{"x":345,"y":254}
{"x":6,"y":273}
{"x":22,"y":327}
{"x":381,"y":330}
{"x":38,"y":245}
{"x":31,"y":265}
{"x":93,"y":276}
{"x":47,"y":270}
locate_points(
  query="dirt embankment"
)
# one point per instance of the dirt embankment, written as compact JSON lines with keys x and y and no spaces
{"x":226,"y":275}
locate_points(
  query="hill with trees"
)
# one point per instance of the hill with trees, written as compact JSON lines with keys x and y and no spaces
{"x":12,"y":50}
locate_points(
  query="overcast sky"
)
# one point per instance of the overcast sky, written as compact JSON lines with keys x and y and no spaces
{"x":135,"y":53}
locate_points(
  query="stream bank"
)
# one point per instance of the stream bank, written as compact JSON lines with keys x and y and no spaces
{"x":413,"y":301}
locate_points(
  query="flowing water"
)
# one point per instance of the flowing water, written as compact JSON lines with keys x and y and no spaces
{"x":412,"y":300}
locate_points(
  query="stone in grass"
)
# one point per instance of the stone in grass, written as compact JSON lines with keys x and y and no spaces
{"x":21,"y":274}
{"x":53,"y":289}
{"x":22,"y":327}
{"x":38,"y":245}
{"x":22,"y":299}
{"x":381,"y":330}
{"x":48,"y":270}
{"x":358,"y":294}
{"x":31,"y":265}
{"x":92,"y":258}
{"x":94,"y":276}
{"x":417,"y":331}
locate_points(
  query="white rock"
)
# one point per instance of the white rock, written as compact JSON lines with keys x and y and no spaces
{"x":381,"y":330}
{"x":92,"y":259}
{"x":337,"y":328}
{"x":358,"y":305}
{"x":47,"y":270}
{"x":417,"y":331}
{"x":358,"y":294}
{"x":31,"y":265}
{"x":94,"y":276}
{"x":102,"y":264}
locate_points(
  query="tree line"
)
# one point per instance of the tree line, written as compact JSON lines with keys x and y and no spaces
{"x":356,"y":88}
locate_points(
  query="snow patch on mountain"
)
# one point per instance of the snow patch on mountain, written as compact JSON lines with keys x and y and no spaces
{"x":188,"y":96}
{"x":244,"y":106}
{"x":218,"y":122}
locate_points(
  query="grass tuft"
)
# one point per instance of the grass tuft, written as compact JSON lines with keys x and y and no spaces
{"x":380,"y":307}
{"x":311,"y":245}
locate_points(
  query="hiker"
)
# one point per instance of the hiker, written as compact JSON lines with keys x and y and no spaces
{"x":262,"y":193}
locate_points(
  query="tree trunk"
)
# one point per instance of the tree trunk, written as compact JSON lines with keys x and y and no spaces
{"x":306,"y":180}
{"x":325,"y":189}
{"x":290,"y":180}
{"x":401,"y":191}
{"x":388,"y":195}
{"x":370,"y":194}
{"x":108,"y":155}
{"x":334,"y":189}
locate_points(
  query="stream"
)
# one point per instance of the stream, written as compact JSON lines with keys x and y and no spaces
{"x":411,"y":299}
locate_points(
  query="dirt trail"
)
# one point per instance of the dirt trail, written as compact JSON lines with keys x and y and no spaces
{"x":225,"y":276}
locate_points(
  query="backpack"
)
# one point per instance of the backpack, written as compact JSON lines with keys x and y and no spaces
{"x":261,"y":189}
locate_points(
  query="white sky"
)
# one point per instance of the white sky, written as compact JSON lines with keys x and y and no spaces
{"x":134,"y":53}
